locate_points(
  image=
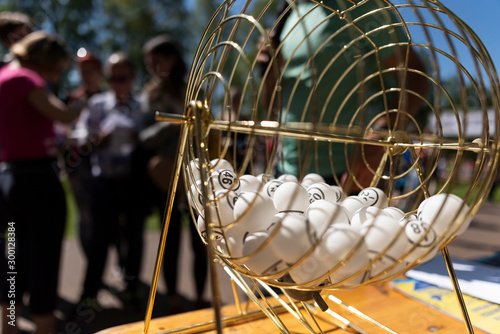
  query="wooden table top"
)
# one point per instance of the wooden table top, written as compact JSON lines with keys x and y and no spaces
{"x":380,"y":302}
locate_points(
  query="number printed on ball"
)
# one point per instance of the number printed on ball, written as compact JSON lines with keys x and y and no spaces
{"x":225,"y":179}
{"x":270,"y":187}
{"x":417,"y":229}
{"x":321,"y":190}
{"x":374,"y":197}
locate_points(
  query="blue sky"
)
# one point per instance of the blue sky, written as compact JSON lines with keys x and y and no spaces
{"x":483,"y":16}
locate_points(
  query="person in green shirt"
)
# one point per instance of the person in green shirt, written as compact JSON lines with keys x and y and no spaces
{"x":335,"y":67}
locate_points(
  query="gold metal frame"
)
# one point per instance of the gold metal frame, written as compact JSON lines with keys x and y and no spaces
{"x":231,"y":30}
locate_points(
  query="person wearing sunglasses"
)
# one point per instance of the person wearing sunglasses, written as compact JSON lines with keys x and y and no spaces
{"x":113,"y":119}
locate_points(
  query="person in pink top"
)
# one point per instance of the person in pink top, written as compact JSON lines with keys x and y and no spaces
{"x":30,"y":190}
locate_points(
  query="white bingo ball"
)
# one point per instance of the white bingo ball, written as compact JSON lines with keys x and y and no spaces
{"x":275,"y":222}
{"x":259,"y":257}
{"x":374,"y":197}
{"x":291,"y":238}
{"x":321,"y":190}
{"x":288,"y":178}
{"x":322,"y":213}
{"x":249,"y":183}
{"x":196,"y":198}
{"x":220,"y":164}
{"x":264,"y":178}
{"x":337,"y":243}
{"x":365,"y":213}
{"x":221,"y":207}
{"x":224,"y":244}
{"x":379,"y":233}
{"x":423,"y":236}
{"x":252,"y":212}
{"x":445,"y":210}
{"x":193,"y":171}
{"x":270,"y":187}
{"x":202,"y":228}
{"x":310,"y":179}
{"x":352,"y":204}
{"x":224,"y":179}
{"x":396,"y":213}
{"x":291,"y":197}
{"x":340,"y":242}
{"x":339,"y":193}
{"x":420,"y":232}
{"x":230,"y":248}
{"x":221,"y":247}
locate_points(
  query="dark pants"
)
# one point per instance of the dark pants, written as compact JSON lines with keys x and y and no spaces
{"x":32,"y":199}
{"x":115,"y":216}
{"x":172,"y":246}
{"x":152,"y":197}
{"x":171,"y":255}
{"x":81,"y":181}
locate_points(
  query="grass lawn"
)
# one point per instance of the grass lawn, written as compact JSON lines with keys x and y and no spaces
{"x":460,"y":189}
{"x":152,"y":221}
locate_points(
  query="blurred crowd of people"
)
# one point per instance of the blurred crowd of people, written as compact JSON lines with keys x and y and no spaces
{"x":118,"y":159}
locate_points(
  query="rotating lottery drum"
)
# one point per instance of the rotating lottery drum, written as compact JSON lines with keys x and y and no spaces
{"x":397,"y":100}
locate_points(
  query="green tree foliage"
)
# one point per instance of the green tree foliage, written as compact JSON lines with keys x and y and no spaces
{"x":106,"y":26}
{"x":130,"y":23}
{"x":69,"y":19}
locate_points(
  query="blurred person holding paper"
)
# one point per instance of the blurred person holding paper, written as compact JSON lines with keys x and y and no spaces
{"x":112,"y":120}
